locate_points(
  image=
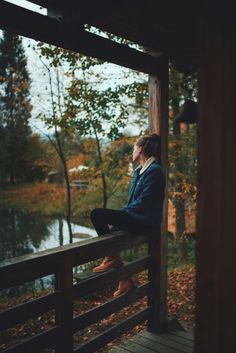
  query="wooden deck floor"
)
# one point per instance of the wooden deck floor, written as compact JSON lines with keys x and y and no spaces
{"x":145,"y":342}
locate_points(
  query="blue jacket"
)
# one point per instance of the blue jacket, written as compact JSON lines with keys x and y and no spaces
{"x":146,"y":195}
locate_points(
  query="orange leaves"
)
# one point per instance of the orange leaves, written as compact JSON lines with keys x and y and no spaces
{"x":181,"y":289}
{"x":75,"y":161}
{"x":44,"y":198}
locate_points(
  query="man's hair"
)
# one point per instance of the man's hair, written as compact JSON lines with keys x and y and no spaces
{"x":150,"y":145}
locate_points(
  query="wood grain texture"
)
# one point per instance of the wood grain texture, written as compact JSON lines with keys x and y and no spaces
{"x":114,"y":305}
{"x":26,"y":311}
{"x":102,"y":280}
{"x":117,"y":330}
{"x":26,"y":268}
{"x":158,"y":123}
{"x":36,"y":343}
{"x":61,"y":260}
{"x":74,"y":37}
{"x":64,"y":317}
{"x":216,"y":240}
{"x":146,"y":342}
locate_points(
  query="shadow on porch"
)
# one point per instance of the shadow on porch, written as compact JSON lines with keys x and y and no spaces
{"x":173,"y":341}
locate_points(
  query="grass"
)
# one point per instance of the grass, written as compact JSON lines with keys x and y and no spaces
{"x":43,"y":198}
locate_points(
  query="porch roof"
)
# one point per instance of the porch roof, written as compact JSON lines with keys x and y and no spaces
{"x":159,"y":27}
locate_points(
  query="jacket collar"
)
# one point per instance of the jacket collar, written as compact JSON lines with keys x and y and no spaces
{"x":148,"y":162}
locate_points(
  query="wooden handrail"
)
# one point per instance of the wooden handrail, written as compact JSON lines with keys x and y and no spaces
{"x":29,"y":267}
{"x":36,"y":343}
{"x":27,"y":311}
{"x":99,"y":341}
{"x":93,"y":284}
{"x":60,"y":261}
{"x":103,"y":310}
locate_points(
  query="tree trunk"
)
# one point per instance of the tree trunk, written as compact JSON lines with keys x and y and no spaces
{"x":179,"y":202}
{"x":13,"y":232}
{"x":180,"y":229}
{"x":10,"y":134}
{"x":61,"y":232}
{"x":104,"y":184}
{"x":67,"y":181}
{"x":61,"y":155}
{"x":11,"y":175}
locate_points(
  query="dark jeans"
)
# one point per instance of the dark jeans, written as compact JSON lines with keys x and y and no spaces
{"x":120,"y":220}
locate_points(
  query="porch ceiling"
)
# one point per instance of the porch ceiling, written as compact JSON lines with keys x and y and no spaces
{"x":160,"y":27}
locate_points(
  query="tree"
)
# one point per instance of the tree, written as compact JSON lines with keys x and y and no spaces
{"x":182,"y":155}
{"x":53,"y":121}
{"x":101,"y":109}
{"x":15,"y":105}
{"x":38,"y":159}
{"x":93,"y":106}
{"x":117,"y":168}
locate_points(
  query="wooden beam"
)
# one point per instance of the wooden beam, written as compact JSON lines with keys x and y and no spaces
{"x":216,"y":240}
{"x":45,"y":29}
{"x":158,"y":123}
{"x":164,"y":26}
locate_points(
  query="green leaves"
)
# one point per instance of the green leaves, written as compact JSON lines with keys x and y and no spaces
{"x":94,"y":102}
{"x":91,"y":103}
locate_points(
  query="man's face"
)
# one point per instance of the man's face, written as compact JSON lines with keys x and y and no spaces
{"x":136,"y":153}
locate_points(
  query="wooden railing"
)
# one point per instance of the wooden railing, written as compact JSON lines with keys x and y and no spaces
{"x":60,"y":261}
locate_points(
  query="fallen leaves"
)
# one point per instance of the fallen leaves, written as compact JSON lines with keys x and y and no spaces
{"x":181,"y":290}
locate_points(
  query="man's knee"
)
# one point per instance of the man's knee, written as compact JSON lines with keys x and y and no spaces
{"x":96,"y":212}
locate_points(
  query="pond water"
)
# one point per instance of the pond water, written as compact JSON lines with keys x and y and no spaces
{"x":25,"y":233}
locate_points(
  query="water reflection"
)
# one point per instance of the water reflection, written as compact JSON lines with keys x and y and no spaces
{"x":24,"y":233}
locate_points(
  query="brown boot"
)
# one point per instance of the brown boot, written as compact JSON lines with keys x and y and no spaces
{"x":125,"y":286}
{"x":108,"y":263}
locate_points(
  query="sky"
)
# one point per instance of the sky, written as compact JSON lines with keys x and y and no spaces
{"x":28,"y":5}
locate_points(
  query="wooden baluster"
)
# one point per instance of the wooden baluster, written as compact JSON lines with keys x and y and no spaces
{"x":64,"y":315}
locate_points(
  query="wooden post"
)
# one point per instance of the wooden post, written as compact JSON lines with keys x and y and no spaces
{"x":216,"y":238}
{"x":64,"y":315}
{"x":158,"y":123}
